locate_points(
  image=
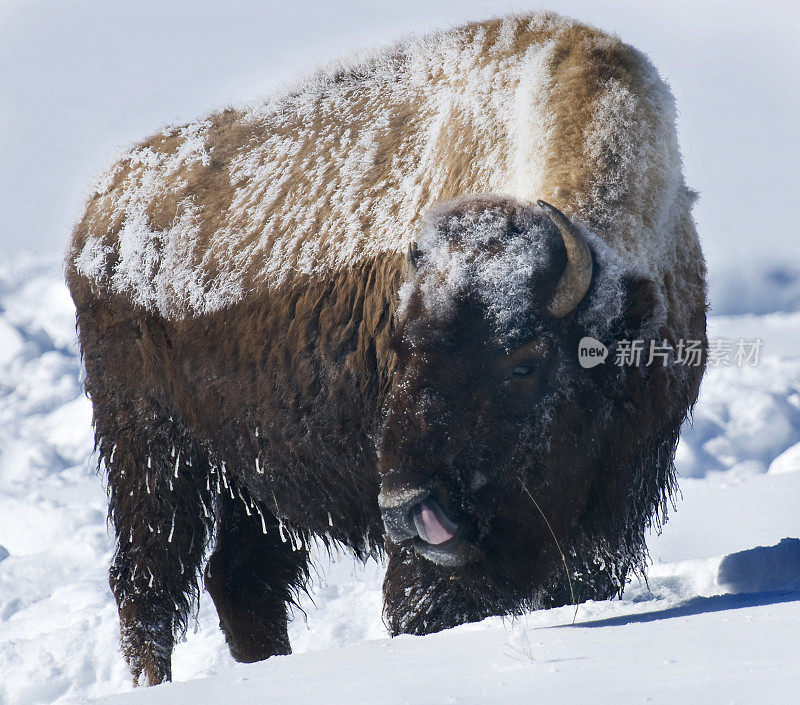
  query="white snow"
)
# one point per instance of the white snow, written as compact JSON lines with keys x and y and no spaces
{"x":716,"y":623}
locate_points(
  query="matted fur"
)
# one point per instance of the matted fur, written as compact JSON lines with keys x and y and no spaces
{"x":237,"y":283}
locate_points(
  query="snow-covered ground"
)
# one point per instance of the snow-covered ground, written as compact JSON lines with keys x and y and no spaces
{"x":717,"y":623}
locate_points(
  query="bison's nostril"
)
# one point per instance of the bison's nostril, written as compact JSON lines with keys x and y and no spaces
{"x":396,"y":511}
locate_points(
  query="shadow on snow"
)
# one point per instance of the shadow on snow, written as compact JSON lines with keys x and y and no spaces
{"x":764,"y":575}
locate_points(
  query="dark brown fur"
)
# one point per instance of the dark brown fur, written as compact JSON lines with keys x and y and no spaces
{"x":296,"y":382}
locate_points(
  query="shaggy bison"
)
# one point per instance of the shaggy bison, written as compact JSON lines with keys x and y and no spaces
{"x":341,"y":314}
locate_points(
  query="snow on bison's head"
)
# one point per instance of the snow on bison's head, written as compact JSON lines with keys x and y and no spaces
{"x":496,"y":439}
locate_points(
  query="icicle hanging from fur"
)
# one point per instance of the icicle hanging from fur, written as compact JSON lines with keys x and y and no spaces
{"x":263,"y":522}
{"x":244,"y":501}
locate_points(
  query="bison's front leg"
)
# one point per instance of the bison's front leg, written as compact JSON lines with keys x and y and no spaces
{"x":252,"y":576}
{"x":157,"y":486}
{"x":420,"y":597}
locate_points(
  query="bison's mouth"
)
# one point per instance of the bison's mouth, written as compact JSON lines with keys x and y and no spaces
{"x":432,"y":524}
{"x":420,"y":519}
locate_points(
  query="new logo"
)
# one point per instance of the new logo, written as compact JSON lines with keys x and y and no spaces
{"x":591,"y":352}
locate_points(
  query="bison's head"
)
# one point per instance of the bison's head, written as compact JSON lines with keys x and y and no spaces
{"x":490,"y":413}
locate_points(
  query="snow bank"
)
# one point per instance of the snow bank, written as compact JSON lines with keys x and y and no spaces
{"x":747,"y":417}
{"x":762,"y":569}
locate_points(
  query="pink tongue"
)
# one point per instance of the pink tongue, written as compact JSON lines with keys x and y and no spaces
{"x":432,"y":528}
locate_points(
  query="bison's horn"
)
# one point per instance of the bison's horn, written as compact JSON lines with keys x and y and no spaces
{"x":575,"y":280}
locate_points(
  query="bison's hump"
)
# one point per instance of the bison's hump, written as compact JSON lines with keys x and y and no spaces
{"x":340,"y":169}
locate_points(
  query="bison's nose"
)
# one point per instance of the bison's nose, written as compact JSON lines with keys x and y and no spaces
{"x":397,"y":512}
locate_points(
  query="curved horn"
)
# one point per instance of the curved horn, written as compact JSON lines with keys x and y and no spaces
{"x":575,"y":280}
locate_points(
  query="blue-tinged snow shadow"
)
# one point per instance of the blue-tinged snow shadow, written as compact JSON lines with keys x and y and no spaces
{"x":762,"y":569}
{"x":764,"y":575}
{"x":697,"y":605}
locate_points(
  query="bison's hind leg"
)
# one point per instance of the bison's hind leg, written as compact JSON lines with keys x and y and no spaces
{"x":253,"y":575}
{"x":160,"y":510}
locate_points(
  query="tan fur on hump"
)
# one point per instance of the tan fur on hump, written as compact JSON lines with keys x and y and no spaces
{"x":341,"y":169}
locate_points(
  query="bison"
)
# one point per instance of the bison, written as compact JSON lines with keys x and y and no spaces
{"x":350,"y":314}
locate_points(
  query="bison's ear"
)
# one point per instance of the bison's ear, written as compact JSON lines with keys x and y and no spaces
{"x":641,"y":302}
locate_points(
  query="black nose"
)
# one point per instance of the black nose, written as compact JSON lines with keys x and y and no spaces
{"x":396,"y":511}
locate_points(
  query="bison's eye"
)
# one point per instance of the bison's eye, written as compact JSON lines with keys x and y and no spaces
{"x":523,"y":365}
{"x":525,"y":369}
